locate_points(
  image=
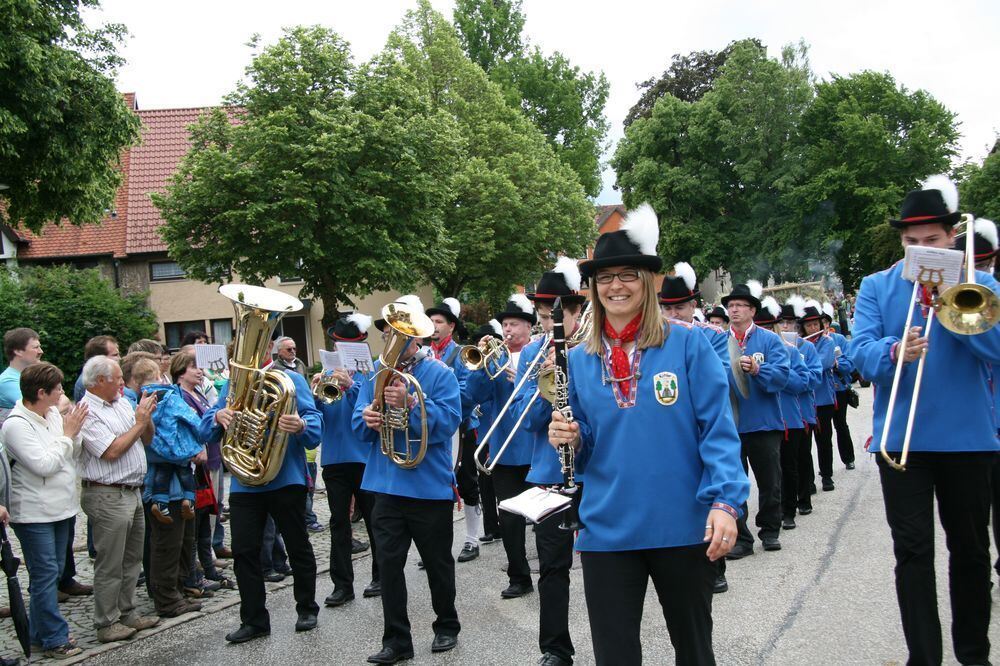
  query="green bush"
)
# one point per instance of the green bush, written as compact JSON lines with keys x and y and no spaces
{"x":68,"y":307}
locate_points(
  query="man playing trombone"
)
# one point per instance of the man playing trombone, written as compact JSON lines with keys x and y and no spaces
{"x":954,"y":437}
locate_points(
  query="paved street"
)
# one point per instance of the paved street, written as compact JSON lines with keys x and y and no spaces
{"x":826,"y":598}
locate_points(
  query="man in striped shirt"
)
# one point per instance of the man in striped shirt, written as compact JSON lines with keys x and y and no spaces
{"x":113,"y":466}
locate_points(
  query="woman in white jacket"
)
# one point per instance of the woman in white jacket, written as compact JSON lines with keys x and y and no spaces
{"x":43,"y":449}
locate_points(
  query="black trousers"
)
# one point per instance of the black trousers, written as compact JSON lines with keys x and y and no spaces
{"x":844,"y":442}
{"x":466,"y":472}
{"x":343,"y":481}
{"x":996,"y":511}
{"x":488,"y":499}
{"x":398,"y":522}
{"x":555,"y":559}
{"x":615,"y":585}
{"x":961,"y":483}
{"x":824,"y":440}
{"x":509,"y":481}
{"x":807,"y":471}
{"x":247,"y":514}
{"x":791,"y":449}
{"x":762,"y":450}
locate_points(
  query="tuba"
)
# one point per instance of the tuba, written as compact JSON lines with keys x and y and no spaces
{"x":252,"y":447}
{"x":406,"y":322}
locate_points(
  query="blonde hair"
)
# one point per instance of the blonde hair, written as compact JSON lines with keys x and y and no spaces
{"x":652,"y":333}
{"x":145,"y":371}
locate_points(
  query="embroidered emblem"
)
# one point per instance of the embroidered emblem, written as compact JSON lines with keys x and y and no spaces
{"x":759,"y":358}
{"x":665,"y":387}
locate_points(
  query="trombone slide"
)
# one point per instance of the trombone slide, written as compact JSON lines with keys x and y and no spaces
{"x":900,"y":362}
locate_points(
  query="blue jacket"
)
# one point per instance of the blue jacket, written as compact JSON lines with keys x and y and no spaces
{"x":293,"y":468}
{"x":451,"y":352}
{"x":956,"y":408}
{"x":545,"y":466}
{"x":762,"y":410}
{"x":824,"y":392}
{"x":433,"y":478}
{"x":798,"y":382}
{"x":482,"y":389}
{"x":175,"y":438}
{"x":807,"y":399}
{"x":340,"y":443}
{"x":719,"y":339}
{"x":654,"y":469}
{"x":842,"y":378}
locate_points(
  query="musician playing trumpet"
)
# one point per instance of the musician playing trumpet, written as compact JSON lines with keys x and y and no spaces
{"x":659,"y":452}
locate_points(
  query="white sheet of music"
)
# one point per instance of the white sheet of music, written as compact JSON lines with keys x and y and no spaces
{"x":211,"y":357}
{"x":331,"y":360}
{"x":935,"y":265}
{"x":536,"y":504}
{"x":356,"y":356}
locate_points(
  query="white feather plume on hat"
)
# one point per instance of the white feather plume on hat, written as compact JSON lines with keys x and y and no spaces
{"x":643,"y":228}
{"x":771,"y":306}
{"x":362,"y":321}
{"x":454,"y":306}
{"x":412,"y":300}
{"x":947,"y":188}
{"x":798,"y":305}
{"x":828,"y":309}
{"x":756,"y":288}
{"x":988,"y":230}
{"x":570,"y":272}
{"x":497,"y":328}
{"x":683,"y":270}
{"x":813,"y":303}
{"x":522,"y":303}
{"x":699,"y":315}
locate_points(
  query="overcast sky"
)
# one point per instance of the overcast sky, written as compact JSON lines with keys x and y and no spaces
{"x":184,"y":54}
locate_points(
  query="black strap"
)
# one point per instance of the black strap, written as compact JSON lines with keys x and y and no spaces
{"x":451,"y":357}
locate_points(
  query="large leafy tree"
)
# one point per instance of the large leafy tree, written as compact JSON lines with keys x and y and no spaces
{"x":513,"y":202}
{"x":338,"y":173}
{"x":63,"y":125}
{"x":865,"y":141}
{"x":564,"y":102}
{"x":980,"y":188}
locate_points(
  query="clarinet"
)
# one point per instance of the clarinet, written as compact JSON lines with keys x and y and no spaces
{"x":561,"y":404}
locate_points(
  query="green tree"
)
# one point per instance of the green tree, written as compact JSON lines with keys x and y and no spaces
{"x":980,"y":187}
{"x":337,"y":173}
{"x":865,"y":141}
{"x":490,"y":30}
{"x":68,"y":307}
{"x":63,"y":126}
{"x":513,"y":203}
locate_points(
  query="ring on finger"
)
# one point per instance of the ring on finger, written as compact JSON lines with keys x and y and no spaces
{"x":709,"y":527}
{"x":725,"y":539}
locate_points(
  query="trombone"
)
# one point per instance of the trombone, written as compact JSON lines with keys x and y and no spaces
{"x":966,"y":308}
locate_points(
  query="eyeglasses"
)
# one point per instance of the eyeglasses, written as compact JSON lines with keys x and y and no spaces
{"x":627,"y":275}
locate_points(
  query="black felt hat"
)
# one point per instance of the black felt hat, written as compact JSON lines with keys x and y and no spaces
{"x":768,"y":313}
{"x":936,"y":202}
{"x":812,"y":311}
{"x":719,"y":311}
{"x":380,"y":324}
{"x":986,"y":240}
{"x":632,"y":245}
{"x":492,"y":328}
{"x":561,"y":282}
{"x":351,"y":328}
{"x":451,"y":310}
{"x":680,"y":287}
{"x":749,"y":292}
{"x":517,"y":306}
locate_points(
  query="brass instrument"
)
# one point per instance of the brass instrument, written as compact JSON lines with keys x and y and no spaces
{"x":966,"y":308}
{"x":494,"y":359}
{"x":253,"y":447}
{"x":327,"y":390}
{"x":405,"y":322}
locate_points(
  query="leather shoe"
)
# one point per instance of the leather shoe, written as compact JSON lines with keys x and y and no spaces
{"x":77,"y":589}
{"x":721,"y":585}
{"x":788,"y":523}
{"x":549,"y":659}
{"x":224,"y":553}
{"x":515,"y":590}
{"x":305,"y":622}
{"x":469,"y":552}
{"x":489,"y":538}
{"x":828,"y":484}
{"x":805,"y":510}
{"x":772,"y":543}
{"x":374,"y":589}
{"x":339,"y":598}
{"x":443,"y":643}
{"x":739,"y":551}
{"x":358,"y":546}
{"x":850,"y":465}
{"x":274,"y":577}
{"x":246,"y":633}
{"x":388,"y":655}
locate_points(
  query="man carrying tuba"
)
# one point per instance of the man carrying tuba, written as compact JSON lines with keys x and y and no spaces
{"x":413,"y":500}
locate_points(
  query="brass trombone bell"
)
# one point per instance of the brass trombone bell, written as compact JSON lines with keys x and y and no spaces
{"x":968,"y":309}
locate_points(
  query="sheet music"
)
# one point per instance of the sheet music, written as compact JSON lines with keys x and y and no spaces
{"x":211,"y":357}
{"x":331,"y":360}
{"x":934,"y":265}
{"x":536,"y":504}
{"x":356,"y":356}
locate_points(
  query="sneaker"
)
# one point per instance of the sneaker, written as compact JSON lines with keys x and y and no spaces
{"x":850,"y":465}
{"x":469,"y":552}
{"x":210,"y":585}
{"x":140,"y":623}
{"x":115,"y":631}
{"x":63,"y":651}
{"x":161,"y":512}
{"x":274,"y":577}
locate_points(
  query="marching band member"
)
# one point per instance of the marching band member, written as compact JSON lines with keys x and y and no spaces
{"x":447,"y":325}
{"x":284,"y":499}
{"x":510,"y":474}
{"x":483,"y":415}
{"x":719,"y":317}
{"x":842,"y":377}
{"x":342,"y":458}
{"x":954,"y":440}
{"x":813,"y":331}
{"x":555,"y":545}
{"x":645,"y":396}
{"x":765,"y":359}
{"x":413,"y":505}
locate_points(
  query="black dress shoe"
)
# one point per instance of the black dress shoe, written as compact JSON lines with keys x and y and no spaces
{"x":828,"y":484}
{"x":771,"y":543}
{"x":489,"y":538}
{"x":469,"y":552}
{"x":721,"y":585}
{"x":389,"y":656}
{"x":358,"y":546}
{"x":850,"y":465}
{"x":374,"y":589}
{"x":739,"y":551}
{"x":812,"y":488}
{"x":788,"y":523}
{"x":805,"y":510}
{"x":443,"y":643}
{"x":246,"y":633}
{"x":305,"y":622}
{"x":549,"y":659}
{"x":339,"y":598}
{"x":515,"y":590}
{"x":274,"y":577}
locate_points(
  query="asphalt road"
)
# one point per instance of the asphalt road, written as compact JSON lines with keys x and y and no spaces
{"x":826,"y":598}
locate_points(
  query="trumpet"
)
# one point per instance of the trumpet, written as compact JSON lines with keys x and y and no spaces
{"x":493,"y":357}
{"x":327,"y":390}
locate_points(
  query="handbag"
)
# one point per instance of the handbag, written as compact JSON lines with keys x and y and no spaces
{"x":852,"y":398}
{"x":204,"y":493}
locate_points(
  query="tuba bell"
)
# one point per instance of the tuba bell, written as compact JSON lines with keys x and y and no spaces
{"x":252,"y":447}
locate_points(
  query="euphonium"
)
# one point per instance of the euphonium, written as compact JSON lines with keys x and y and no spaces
{"x":252,"y":447}
{"x":327,"y":390}
{"x":406,"y":322}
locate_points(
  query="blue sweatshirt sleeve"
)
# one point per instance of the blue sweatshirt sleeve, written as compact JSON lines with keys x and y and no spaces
{"x":773,"y":374}
{"x":361,"y":430}
{"x":870,"y":347}
{"x":813,"y":364}
{"x":479,"y":387}
{"x":208,"y":429}
{"x":305,"y":405}
{"x":540,"y":413}
{"x":442,"y":404}
{"x":798,"y":373}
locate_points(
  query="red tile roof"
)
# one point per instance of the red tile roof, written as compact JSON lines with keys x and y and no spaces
{"x":604,"y":212}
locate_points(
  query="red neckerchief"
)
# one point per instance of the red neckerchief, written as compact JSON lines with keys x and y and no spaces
{"x":619,"y":359}
{"x":438,"y":347}
{"x":742,"y":338}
